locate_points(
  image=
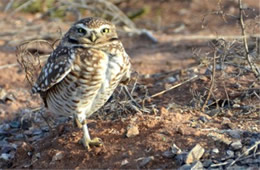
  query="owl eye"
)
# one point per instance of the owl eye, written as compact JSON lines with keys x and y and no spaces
{"x":105,"y":30}
{"x":82,"y":31}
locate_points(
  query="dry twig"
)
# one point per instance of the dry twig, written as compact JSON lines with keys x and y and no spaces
{"x":243,"y":29}
{"x":212,"y":82}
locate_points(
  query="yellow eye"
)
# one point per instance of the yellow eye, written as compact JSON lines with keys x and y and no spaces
{"x":105,"y":30}
{"x":81,"y":30}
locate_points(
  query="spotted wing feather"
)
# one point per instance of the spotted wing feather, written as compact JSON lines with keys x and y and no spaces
{"x":59,"y":64}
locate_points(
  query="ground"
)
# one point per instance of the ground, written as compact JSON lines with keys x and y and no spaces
{"x":174,"y":117}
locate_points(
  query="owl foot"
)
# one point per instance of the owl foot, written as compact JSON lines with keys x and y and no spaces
{"x":91,"y":142}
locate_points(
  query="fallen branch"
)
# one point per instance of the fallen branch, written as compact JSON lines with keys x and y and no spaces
{"x":173,"y":87}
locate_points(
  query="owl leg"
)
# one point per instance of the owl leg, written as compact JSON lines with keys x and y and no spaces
{"x":86,"y":140}
{"x":77,"y":121}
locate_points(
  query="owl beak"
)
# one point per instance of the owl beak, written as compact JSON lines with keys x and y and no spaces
{"x":93,"y":37}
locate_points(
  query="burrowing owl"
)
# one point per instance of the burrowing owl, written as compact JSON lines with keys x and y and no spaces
{"x":83,"y":71}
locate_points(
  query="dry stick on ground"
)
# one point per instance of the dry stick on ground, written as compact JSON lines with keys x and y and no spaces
{"x":212,"y":81}
{"x":242,"y":25}
{"x":173,"y":87}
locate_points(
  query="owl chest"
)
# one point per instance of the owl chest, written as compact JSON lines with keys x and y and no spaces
{"x":92,"y":81}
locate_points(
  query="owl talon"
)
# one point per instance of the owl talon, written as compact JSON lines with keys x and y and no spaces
{"x":94,"y":142}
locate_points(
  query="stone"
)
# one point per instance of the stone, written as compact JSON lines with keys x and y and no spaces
{"x":124,"y":162}
{"x":175,"y":149}
{"x":58,"y":156}
{"x":207,"y":163}
{"x":196,"y":165}
{"x":234,"y":133}
{"x":26,"y":124}
{"x":15,"y":124}
{"x":185,"y":167}
{"x":236,"y":145}
{"x":180,"y":158}
{"x":171,"y":79}
{"x":132,"y":131}
{"x":203,"y":119}
{"x":168,"y":154}
{"x":5,"y":126}
{"x":5,"y":156}
{"x":195,"y":154}
{"x":145,"y":161}
{"x":215,"y":151}
{"x":230,"y":153}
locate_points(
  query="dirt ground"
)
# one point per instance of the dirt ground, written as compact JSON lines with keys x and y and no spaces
{"x":174,"y":117}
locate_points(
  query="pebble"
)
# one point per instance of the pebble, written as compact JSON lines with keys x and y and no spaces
{"x":236,"y":145}
{"x":132,"y":131}
{"x":171,"y":79}
{"x":207,"y":163}
{"x":26,"y":124}
{"x":36,"y":132}
{"x":185,"y":167}
{"x":15,"y":124}
{"x":235,"y":133}
{"x":175,"y":149}
{"x":168,"y":154}
{"x":195,"y":154}
{"x":5,"y":156}
{"x":215,"y":151}
{"x":180,"y":158}
{"x":196,"y":165}
{"x":5,"y":126}
{"x":146,"y":160}
{"x":230,"y":153}
{"x":124,"y":162}
{"x":203,"y":119}
{"x":58,"y":156}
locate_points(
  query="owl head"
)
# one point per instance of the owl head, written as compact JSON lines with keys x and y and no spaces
{"x":90,"y":32}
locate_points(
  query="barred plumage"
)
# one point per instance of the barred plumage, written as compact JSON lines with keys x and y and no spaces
{"x":83,"y":71}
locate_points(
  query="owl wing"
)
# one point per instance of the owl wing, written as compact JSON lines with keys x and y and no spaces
{"x":59,"y":64}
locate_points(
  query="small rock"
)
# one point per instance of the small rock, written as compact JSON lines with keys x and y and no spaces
{"x":15,"y":124}
{"x":180,"y":158}
{"x":171,"y":79}
{"x":5,"y":126}
{"x":132,"y":131}
{"x":185,"y":167}
{"x":195,"y":154}
{"x":196,"y":165}
{"x":236,"y":145}
{"x":124,"y":162}
{"x":36,"y":132}
{"x":203,"y":119}
{"x":230,"y":153}
{"x":19,"y":137}
{"x":58,"y":156}
{"x":207,"y":163}
{"x":26,"y":124}
{"x":6,"y":149}
{"x":168,"y":154}
{"x":215,"y":151}
{"x":175,"y":149}
{"x":5,"y":156}
{"x":234,"y":134}
{"x":146,"y":160}
{"x":38,"y":155}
